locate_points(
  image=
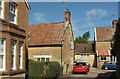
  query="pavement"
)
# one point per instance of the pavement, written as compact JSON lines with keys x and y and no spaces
{"x":94,"y":73}
{"x":20,"y":76}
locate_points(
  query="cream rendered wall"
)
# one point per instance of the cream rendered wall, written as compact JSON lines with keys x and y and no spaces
{"x":55,"y":52}
{"x":90,"y":59}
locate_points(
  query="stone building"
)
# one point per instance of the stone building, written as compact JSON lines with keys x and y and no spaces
{"x":13,"y":36}
{"x":52,"y":42}
{"x":85,"y":53}
{"x":103,"y":44}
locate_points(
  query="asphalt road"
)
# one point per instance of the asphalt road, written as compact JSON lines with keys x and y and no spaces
{"x":94,"y":73}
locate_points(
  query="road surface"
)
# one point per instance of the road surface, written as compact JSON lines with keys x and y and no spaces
{"x":94,"y":73}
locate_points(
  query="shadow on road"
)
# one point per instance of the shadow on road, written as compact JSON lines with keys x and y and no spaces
{"x":108,"y":75}
{"x":80,"y":73}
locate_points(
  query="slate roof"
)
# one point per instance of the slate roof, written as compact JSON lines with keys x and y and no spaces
{"x":84,"y":48}
{"x":46,"y":33}
{"x":105,"y":33}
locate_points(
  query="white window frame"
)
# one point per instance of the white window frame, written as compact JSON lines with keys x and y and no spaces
{"x":29,"y":37}
{"x":111,"y":45}
{"x":1,"y":16}
{"x":20,"y":55}
{"x":15,"y":19}
{"x":14,"y":54}
{"x":71,"y":60}
{"x":85,"y":55}
{"x":71,"y":44}
{"x":43,"y":56}
{"x":4,"y":60}
{"x":103,"y":60}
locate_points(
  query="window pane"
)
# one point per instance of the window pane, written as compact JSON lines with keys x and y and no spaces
{"x":12,"y":62}
{"x":2,"y":46}
{"x":1,"y":61}
{"x":104,"y":58}
{"x":71,"y":44}
{"x":0,"y":2}
{"x":19,"y":60}
{"x":11,"y":17}
{"x":38,"y":59}
{"x":13,"y":43}
{"x":12,"y":7}
{"x":42,"y":59}
{"x":0,"y":11}
{"x":87,"y":55}
{"x":20,"y":48}
{"x":82,"y":55}
{"x":47,"y":59}
{"x":12,"y":12}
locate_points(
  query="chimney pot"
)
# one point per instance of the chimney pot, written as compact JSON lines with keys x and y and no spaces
{"x":67,"y":15}
{"x":114,"y":23}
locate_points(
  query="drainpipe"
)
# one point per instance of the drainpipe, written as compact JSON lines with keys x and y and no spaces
{"x":61,"y":67}
{"x":61,"y":51}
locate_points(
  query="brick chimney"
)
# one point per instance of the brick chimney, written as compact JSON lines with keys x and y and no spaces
{"x":67,"y":15}
{"x":114,"y":23}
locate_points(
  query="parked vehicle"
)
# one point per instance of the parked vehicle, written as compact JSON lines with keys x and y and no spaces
{"x":81,"y":67}
{"x":109,"y":65}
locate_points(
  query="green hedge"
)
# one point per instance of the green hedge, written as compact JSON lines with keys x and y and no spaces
{"x":54,"y":70}
{"x":37,"y":69}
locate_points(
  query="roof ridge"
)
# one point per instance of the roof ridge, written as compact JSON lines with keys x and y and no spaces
{"x":103,"y":27}
{"x":47,"y":23}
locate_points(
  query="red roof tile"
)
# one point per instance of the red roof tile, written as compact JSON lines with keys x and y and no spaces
{"x":46,"y":34}
{"x":105,"y":33}
{"x":103,"y":53}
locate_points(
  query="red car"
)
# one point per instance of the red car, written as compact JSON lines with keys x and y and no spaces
{"x":81,"y":67}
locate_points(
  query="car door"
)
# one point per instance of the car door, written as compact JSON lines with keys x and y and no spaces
{"x":110,"y":65}
{"x":114,"y":65}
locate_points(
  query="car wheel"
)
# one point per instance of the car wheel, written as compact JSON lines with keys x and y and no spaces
{"x":86,"y":72}
{"x":106,"y":68}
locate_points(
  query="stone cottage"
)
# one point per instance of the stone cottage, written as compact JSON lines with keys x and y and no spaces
{"x":103,"y":44}
{"x":52,"y":42}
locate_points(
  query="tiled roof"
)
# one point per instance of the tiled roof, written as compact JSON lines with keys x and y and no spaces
{"x":105,"y":33}
{"x":46,"y":33}
{"x":103,"y":53}
{"x":84,"y":48}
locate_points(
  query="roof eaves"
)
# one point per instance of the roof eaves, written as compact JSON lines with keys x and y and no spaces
{"x":27,"y":4}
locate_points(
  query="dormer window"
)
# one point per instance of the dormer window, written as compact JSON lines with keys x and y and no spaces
{"x":1,"y":9}
{"x":12,"y":12}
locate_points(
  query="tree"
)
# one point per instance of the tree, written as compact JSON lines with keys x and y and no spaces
{"x":116,"y":44}
{"x":86,"y":36}
{"x":82,"y":39}
{"x":116,"y":48}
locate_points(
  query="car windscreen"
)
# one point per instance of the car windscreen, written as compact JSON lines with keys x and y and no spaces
{"x":80,"y":64}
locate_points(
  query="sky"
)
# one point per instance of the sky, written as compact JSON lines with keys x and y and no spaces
{"x":85,"y":16}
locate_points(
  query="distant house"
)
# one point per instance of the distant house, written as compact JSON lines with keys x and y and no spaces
{"x":13,"y":36}
{"x":85,"y":53}
{"x":103,"y":44}
{"x":52,"y":42}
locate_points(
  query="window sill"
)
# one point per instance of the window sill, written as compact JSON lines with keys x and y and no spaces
{"x":13,"y":22}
